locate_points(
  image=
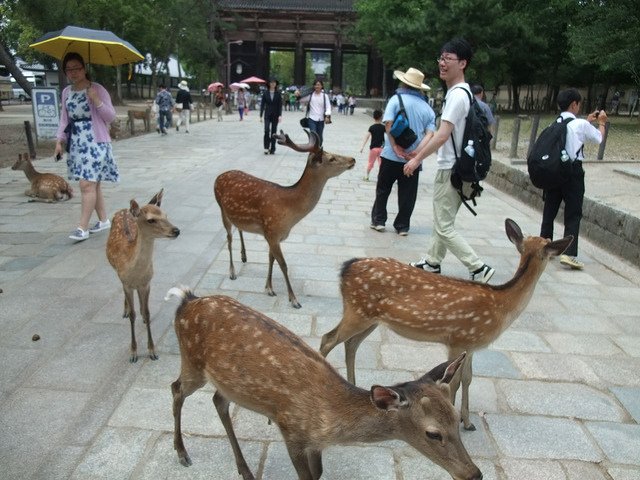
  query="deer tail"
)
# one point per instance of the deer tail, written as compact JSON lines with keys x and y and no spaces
{"x":181,"y":292}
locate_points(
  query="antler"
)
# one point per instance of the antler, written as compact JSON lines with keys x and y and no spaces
{"x":312,"y":146}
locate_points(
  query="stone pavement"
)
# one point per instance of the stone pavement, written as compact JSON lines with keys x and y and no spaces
{"x":557,"y":396}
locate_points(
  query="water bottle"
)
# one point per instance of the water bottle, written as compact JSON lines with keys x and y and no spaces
{"x":564,"y":156}
{"x":470,"y":150}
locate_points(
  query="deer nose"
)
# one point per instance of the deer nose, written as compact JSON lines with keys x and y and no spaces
{"x":175,"y":232}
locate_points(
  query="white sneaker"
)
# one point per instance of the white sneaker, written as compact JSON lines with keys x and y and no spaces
{"x":422,"y":264}
{"x":377,"y":228}
{"x":99,"y":226}
{"x":483,"y":274}
{"x":79,"y":234}
{"x":571,"y":262}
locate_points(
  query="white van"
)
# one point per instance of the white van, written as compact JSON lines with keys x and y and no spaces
{"x":18,"y":91}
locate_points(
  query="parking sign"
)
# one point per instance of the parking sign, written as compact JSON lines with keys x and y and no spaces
{"x":46,"y":111}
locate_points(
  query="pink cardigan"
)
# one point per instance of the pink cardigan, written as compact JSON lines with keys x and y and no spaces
{"x":101,"y":117}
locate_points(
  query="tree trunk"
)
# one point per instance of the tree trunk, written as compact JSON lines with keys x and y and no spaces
{"x":7,"y":60}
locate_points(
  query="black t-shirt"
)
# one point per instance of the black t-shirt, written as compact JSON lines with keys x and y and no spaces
{"x":377,"y":131}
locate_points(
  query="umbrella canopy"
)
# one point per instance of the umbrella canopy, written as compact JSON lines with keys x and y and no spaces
{"x":96,"y":46}
{"x":214,"y":86}
{"x":238,"y":85}
{"x":292,"y":88}
{"x":253,"y":80}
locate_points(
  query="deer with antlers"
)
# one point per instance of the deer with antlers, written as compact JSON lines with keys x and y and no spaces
{"x":45,"y":187}
{"x":257,"y":363}
{"x":424,"y":306}
{"x":258,"y":206}
{"x":130,"y":253}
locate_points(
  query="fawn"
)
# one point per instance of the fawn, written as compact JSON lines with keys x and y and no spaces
{"x":259,"y":206}
{"x":130,"y":253}
{"x":45,"y":187}
{"x":461,"y":314}
{"x":255,"y":362}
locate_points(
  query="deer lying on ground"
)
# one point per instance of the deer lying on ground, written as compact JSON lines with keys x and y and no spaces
{"x":130,"y":253}
{"x":259,"y":206}
{"x":255,"y":362}
{"x":45,"y":187}
{"x":461,"y":314}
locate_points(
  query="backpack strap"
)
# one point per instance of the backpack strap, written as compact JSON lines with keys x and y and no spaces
{"x":455,"y":152}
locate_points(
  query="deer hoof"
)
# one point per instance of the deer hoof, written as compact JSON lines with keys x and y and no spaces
{"x":153,"y":356}
{"x":270,"y":292}
{"x":295,"y":303}
{"x":133,"y":358}
{"x":470,"y":428}
{"x":185,"y":459}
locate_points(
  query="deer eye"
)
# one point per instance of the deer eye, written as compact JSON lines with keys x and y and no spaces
{"x":434,"y":436}
{"x":151,"y":220}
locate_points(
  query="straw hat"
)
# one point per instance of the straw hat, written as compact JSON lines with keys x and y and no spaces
{"x":413,"y":77}
{"x":183,"y":85}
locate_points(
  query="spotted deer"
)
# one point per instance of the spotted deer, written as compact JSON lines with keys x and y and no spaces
{"x":461,"y":314}
{"x":255,"y":362}
{"x":271,"y":210}
{"x":130,"y":253}
{"x":45,"y":187}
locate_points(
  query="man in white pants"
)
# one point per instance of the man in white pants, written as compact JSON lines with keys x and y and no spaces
{"x":183,"y":102}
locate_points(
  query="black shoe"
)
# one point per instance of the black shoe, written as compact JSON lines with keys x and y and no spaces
{"x":422,"y":264}
{"x":483,"y":274}
{"x":271,"y":152}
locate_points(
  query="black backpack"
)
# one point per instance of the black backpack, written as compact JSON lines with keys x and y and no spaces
{"x":548,"y":162}
{"x":472,"y":169}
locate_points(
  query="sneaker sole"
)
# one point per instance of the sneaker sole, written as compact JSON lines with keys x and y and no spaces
{"x":100,"y":230}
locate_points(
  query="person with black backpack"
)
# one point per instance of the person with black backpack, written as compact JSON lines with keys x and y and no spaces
{"x":571,"y":191}
{"x":454,"y":58}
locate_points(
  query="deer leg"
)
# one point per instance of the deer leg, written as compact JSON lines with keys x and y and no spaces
{"x":315,"y":463}
{"x":269,"y":286}
{"x":243,"y":251}
{"x":143,"y":296}
{"x":274,"y":249}
{"x":181,"y":391}
{"x":222,"y":406}
{"x":467,"y":375}
{"x":301,"y":461}
{"x":350,"y":349}
{"x":228,"y":228}
{"x":129,"y":312}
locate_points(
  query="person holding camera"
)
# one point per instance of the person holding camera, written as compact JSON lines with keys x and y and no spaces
{"x":422,"y":120}
{"x":318,"y":109}
{"x":579,"y":132}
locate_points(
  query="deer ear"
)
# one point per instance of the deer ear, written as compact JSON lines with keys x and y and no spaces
{"x":386,"y":398}
{"x":554,"y":249}
{"x":134,"y":208}
{"x":514,"y":234}
{"x":444,"y":372}
{"x":157,"y":198}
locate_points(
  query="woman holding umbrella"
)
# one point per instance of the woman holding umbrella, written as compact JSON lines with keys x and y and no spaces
{"x":84,"y":128}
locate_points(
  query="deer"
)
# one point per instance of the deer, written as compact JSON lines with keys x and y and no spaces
{"x":260,"y":365}
{"x":460,"y":314}
{"x":130,"y":253}
{"x":144,"y":115}
{"x":45,"y":187}
{"x":255,"y":205}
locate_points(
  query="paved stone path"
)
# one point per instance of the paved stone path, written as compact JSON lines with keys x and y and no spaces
{"x":557,"y":396}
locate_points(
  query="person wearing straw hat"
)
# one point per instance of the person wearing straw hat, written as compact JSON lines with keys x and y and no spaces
{"x":183,"y":103}
{"x":422,"y":121}
{"x":454,"y":58}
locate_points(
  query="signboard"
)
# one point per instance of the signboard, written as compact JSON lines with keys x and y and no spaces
{"x":45,"y":111}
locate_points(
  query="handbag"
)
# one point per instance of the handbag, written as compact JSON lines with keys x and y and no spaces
{"x":304,"y":122}
{"x":401,"y":132}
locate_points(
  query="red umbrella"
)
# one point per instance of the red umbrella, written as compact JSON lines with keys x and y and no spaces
{"x":253,"y":80}
{"x":214,"y":86}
